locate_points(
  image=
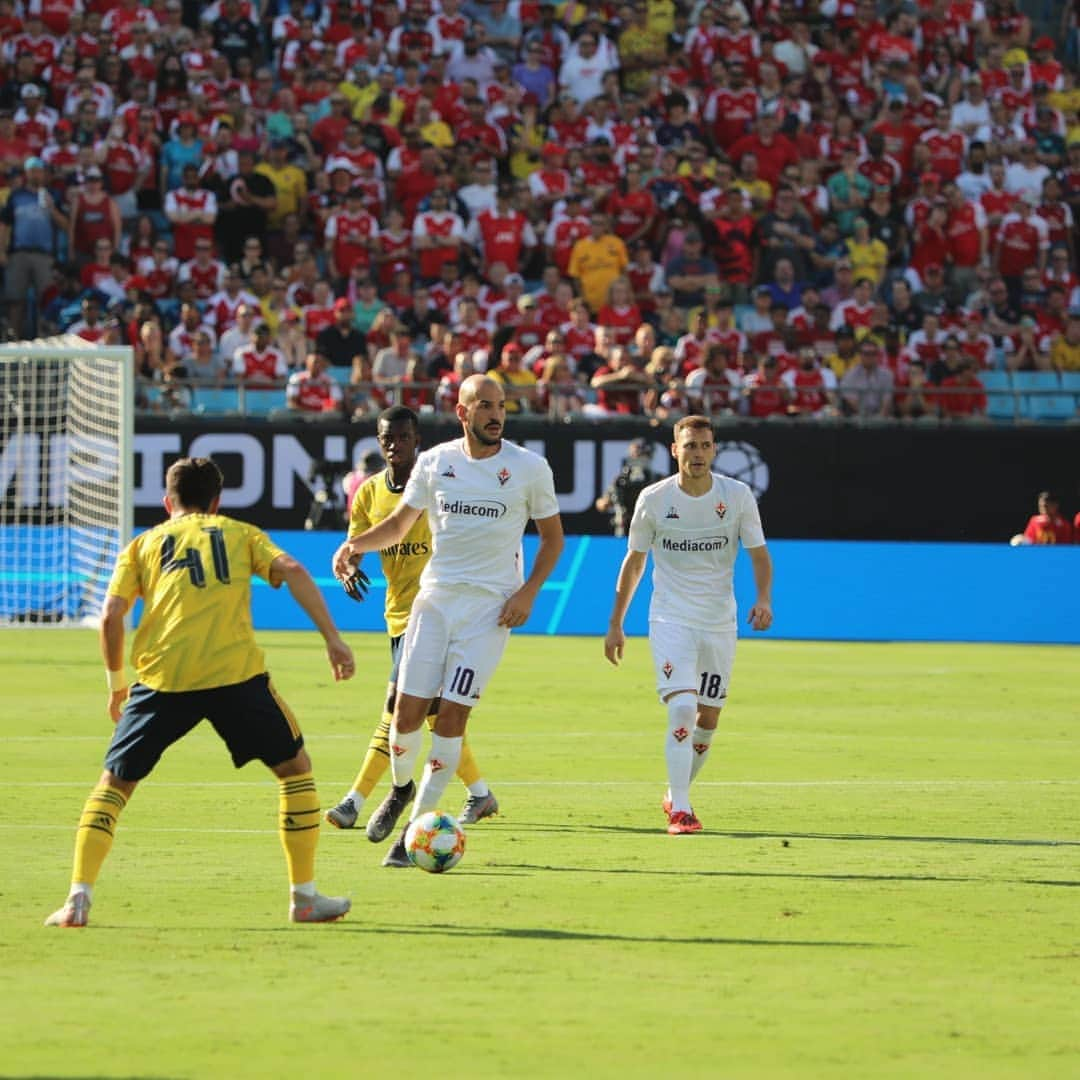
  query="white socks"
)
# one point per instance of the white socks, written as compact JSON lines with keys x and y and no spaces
{"x":404,"y":748}
{"x":441,"y":765}
{"x":356,"y":799}
{"x":679,"y":749}
{"x":479,"y":789}
{"x":702,"y":741}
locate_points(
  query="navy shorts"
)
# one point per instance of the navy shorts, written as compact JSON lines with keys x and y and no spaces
{"x":249,"y":716}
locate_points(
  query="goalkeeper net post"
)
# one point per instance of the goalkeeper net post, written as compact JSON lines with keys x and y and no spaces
{"x":66,"y":477}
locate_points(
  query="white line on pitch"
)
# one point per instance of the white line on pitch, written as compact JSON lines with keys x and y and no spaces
{"x":269,"y":784}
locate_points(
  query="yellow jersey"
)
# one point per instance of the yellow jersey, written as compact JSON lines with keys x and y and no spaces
{"x":402,"y":563}
{"x":193,"y":574}
{"x":596,"y":263}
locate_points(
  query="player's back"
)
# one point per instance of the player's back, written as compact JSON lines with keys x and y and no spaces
{"x":193,"y":573}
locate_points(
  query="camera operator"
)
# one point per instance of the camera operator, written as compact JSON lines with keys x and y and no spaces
{"x":327,"y":509}
{"x":635,"y":475}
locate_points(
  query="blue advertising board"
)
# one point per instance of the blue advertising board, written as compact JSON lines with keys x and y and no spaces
{"x":824,"y":590}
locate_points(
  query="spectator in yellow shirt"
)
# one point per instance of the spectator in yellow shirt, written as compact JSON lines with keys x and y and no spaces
{"x":597,"y":260}
{"x":1065,"y":348}
{"x":868,"y":254}
{"x":290,"y":183}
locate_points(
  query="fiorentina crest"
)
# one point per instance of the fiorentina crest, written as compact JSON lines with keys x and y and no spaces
{"x":721,"y":510}
{"x":503,"y":475}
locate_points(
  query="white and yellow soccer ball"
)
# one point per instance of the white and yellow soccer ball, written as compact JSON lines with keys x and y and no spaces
{"x":435,"y":842}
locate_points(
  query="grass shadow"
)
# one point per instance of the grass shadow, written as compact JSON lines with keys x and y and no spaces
{"x":759,"y":835}
{"x":543,"y":933}
{"x":741,"y":874}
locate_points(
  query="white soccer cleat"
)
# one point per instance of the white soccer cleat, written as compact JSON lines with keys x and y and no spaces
{"x":318,"y":908}
{"x":75,"y":912}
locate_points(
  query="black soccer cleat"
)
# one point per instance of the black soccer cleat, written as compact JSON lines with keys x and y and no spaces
{"x":356,"y":585}
{"x":397,"y":856}
{"x":381,"y":824}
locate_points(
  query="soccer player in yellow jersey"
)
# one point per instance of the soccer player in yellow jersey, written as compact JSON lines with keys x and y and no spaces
{"x":195,"y":658}
{"x":398,"y":432}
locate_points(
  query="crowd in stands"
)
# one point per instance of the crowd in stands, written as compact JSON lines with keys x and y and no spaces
{"x":770,"y":208}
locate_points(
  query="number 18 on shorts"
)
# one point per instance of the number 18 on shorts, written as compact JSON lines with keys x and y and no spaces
{"x":690,"y":659}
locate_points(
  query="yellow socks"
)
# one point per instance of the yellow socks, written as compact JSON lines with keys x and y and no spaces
{"x":376,"y":760}
{"x":468,"y":771}
{"x":299,"y":826}
{"x":95,"y":834}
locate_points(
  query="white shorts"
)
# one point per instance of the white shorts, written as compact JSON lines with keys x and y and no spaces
{"x":453,"y":643}
{"x":687,"y":659}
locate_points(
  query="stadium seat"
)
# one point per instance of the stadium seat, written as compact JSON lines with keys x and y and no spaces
{"x":1070,"y":383}
{"x":1000,"y":401}
{"x":216,"y":401}
{"x":1040,"y":396}
{"x":341,"y":374}
{"x":262,"y":402}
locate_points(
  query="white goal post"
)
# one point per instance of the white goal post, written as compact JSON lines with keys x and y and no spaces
{"x":66,"y":434}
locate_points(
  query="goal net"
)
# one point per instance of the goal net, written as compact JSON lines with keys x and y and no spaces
{"x":66,"y":417}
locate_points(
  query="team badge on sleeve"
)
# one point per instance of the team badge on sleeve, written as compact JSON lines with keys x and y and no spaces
{"x":503,"y":474}
{"x":721,"y":510}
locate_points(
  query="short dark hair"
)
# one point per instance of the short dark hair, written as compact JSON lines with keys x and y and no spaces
{"x":398,"y":412}
{"x":193,"y":483}
{"x":692,"y":423}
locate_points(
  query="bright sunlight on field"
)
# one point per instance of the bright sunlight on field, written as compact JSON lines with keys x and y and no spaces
{"x":886,"y":884}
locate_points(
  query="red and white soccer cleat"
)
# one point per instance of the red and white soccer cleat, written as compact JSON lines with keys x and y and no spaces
{"x":681,"y":823}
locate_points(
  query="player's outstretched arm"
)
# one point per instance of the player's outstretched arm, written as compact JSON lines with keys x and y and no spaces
{"x":387,"y":533}
{"x":633,"y":566}
{"x":306,"y":593}
{"x":517,"y":608}
{"x":761,"y":615}
{"x":112,"y":652}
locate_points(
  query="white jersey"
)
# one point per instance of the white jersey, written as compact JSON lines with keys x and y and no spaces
{"x":478,"y":509}
{"x":694,"y":540}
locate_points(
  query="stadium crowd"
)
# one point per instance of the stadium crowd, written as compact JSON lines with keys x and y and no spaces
{"x":652,"y":207}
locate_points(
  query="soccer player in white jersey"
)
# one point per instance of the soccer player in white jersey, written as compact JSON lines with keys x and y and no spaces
{"x":693,"y":523}
{"x":479,"y":493}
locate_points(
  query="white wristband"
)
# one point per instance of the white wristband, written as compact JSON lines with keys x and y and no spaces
{"x":115,"y":680}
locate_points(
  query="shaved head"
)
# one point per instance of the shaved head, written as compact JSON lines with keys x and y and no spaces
{"x":479,"y":386}
{"x":481,"y":408}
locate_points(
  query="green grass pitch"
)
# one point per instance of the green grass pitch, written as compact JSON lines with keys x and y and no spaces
{"x":887,"y":885}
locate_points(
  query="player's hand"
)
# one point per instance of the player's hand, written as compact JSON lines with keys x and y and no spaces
{"x":614,"y":641}
{"x":356,"y":585}
{"x":116,"y":703}
{"x":343,"y":562}
{"x":341,"y":659}
{"x":760,"y":616}
{"x":516,"y":610}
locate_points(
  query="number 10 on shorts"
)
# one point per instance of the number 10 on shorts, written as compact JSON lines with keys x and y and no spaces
{"x":462,"y":680}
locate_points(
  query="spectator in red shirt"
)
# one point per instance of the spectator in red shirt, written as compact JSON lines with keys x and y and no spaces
{"x":1048,"y":526}
{"x":962,"y":395}
{"x":765,"y":392}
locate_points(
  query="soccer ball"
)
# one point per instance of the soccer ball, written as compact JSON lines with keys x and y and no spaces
{"x":435,"y":842}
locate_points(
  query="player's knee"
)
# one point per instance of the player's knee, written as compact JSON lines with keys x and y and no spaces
{"x":110,"y":779}
{"x":409,"y":713}
{"x":295,"y":766}
{"x":676,"y":694}
{"x":708,"y":716}
{"x":452,"y":719}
